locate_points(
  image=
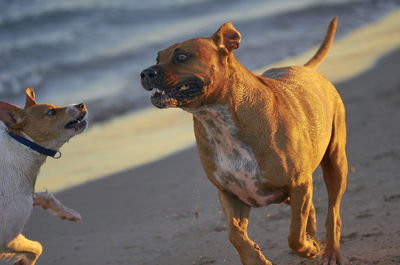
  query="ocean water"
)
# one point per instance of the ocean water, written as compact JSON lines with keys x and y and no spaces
{"x":92,"y":51}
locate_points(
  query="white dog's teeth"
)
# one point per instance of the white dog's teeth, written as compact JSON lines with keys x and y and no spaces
{"x":184,"y":87}
{"x":163,"y":93}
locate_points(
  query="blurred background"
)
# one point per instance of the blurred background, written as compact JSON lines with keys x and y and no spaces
{"x":92,"y":51}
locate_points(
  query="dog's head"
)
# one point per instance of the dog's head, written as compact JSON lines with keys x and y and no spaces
{"x":192,"y":73}
{"x":48,"y":125}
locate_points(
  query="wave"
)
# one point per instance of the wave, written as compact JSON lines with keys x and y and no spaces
{"x":20,"y":12}
{"x":82,"y":43}
{"x":14,"y":84}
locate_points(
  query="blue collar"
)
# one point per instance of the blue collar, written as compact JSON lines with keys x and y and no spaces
{"x":34,"y":146}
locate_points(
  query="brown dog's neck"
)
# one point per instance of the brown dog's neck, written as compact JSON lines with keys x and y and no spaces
{"x":241,"y":86}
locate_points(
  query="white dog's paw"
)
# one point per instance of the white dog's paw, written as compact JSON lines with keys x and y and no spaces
{"x":67,"y":214}
{"x":47,"y":201}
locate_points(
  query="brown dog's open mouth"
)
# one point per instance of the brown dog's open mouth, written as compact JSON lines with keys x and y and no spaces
{"x":79,"y":123}
{"x":177,"y":96}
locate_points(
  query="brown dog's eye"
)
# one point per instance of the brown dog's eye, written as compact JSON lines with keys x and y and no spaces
{"x":181,"y":57}
{"x":51,"y":112}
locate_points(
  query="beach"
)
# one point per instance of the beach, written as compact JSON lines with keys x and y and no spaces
{"x":144,"y":198}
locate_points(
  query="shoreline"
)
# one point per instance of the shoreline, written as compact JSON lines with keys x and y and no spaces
{"x":358,"y":51}
{"x":151,"y":134}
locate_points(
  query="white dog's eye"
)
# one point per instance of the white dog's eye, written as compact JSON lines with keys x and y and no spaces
{"x":51,"y":112}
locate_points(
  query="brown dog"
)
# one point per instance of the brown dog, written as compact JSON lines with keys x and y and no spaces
{"x":259,"y":138}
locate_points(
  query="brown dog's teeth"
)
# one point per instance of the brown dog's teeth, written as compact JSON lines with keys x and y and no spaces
{"x":184,"y":87}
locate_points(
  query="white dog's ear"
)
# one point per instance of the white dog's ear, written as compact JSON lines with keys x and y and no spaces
{"x":30,"y":97}
{"x":12,"y":116}
{"x":227,"y":38}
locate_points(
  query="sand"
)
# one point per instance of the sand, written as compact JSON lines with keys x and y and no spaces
{"x":167,"y":212}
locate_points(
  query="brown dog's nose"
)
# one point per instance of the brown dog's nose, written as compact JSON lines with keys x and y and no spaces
{"x":81,"y":107}
{"x":149,"y":73}
{"x":151,"y":77}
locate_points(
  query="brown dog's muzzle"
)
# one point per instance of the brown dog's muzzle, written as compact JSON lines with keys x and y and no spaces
{"x":170,"y":94}
{"x":151,"y":77}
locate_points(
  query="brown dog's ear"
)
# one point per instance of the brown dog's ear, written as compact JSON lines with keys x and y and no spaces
{"x":30,"y":97}
{"x":12,"y":116}
{"x":227,"y":37}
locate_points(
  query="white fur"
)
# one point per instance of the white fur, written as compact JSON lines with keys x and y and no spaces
{"x":19,"y":167}
{"x":237,"y":168}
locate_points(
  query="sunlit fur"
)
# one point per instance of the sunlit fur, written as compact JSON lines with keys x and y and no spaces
{"x":260,"y":137}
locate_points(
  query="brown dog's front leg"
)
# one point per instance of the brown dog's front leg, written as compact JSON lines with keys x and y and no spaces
{"x":48,"y":201}
{"x":27,"y":251}
{"x":300,"y":241}
{"x":237,"y":218}
{"x":312,"y":222}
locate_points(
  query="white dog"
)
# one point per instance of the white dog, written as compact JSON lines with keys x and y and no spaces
{"x":29,"y":136}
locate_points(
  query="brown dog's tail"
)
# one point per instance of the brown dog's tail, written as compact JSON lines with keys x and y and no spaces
{"x":325,"y":46}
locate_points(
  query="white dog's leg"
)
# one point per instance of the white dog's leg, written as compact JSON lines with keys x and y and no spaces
{"x":27,"y":251}
{"x":48,"y":201}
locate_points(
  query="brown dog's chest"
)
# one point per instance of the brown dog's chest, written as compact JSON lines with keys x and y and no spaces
{"x":237,"y":167}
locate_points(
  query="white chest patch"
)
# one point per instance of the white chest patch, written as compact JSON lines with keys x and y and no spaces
{"x":237,"y":168}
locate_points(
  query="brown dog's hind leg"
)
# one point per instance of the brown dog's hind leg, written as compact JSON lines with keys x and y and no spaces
{"x":27,"y":251}
{"x":334,"y":166}
{"x":301,"y":207}
{"x":237,"y":218}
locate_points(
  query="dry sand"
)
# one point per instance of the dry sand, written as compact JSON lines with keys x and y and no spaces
{"x":167,"y":212}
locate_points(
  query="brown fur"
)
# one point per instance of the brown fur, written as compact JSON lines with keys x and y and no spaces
{"x":292,"y":119}
{"x":34,"y":121}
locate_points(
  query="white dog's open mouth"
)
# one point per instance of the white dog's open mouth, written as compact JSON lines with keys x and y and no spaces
{"x":79,"y":123}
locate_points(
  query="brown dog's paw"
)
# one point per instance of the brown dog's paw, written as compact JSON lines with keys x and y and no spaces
{"x":332,"y":258}
{"x":308,"y":249}
{"x":315,"y":249}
